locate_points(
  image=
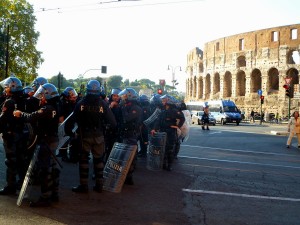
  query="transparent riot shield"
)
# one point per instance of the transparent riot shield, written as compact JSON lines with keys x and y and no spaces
{"x":117,"y":166}
{"x":156,"y":151}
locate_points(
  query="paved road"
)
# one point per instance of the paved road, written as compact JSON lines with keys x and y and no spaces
{"x":241,"y":175}
{"x":165,"y":198}
{"x":156,"y":198}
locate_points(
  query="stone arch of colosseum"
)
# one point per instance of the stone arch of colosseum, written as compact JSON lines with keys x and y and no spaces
{"x":237,"y":72}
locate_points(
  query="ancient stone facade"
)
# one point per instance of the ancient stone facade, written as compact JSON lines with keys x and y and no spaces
{"x":236,"y":67}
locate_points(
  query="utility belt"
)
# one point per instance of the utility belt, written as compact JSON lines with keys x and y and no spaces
{"x":91,"y":131}
{"x":127,"y":132}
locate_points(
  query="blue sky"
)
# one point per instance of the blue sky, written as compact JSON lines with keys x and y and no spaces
{"x":139,"y":39}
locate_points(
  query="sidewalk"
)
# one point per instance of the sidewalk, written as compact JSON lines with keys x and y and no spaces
{"x":155,"y":198}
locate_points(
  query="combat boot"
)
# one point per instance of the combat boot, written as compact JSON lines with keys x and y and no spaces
{"x":98,"y":188}
{"x":41,"y":202}
{"x":80,"y":189}
{"x":8,"y":190}
{"x":129,"y":181}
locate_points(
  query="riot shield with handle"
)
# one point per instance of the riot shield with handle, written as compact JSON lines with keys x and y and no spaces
{"x":32,"y":163}
{"x":153,"y":117}
{"x":117,"y":166}
{"x":156,"y":151}
{"x":28,"y":175}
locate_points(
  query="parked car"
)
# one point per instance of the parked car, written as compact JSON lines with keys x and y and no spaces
{"x":196,"y":118}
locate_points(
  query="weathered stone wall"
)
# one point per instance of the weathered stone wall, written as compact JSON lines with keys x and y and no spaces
{"x":236,"y":67}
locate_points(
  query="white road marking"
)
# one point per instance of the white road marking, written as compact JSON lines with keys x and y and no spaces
{"x":236,"y":150}
{"x":240,"y":162}
{"x":242,"y":195}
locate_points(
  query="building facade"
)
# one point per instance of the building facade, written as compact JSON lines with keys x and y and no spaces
{"x":237,"y":67}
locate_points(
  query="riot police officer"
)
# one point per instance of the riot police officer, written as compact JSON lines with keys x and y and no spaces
{"x":12,"y":128}
{"x":47,"y":128}
{"x":112,"y":133}
{"x":130,"y":123}
{"x":143,"y":139}
{"x":90,"y":114}
{"x":68,"y":102}
{"x":167,"y":122}
{"x":38,"y":82}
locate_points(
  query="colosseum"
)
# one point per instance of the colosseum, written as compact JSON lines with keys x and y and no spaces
{"x":237,"y":67}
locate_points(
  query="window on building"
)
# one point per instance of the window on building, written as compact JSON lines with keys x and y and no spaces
{"x":274,"y":36}
{"x":217,"y":46}
{"x":294,"y":34}
{"x":241,"y":44}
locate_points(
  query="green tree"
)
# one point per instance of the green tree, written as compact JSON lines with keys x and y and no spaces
{"x":24,"y":58}
{"x":114,"y":82}
{"x":146,"y":83}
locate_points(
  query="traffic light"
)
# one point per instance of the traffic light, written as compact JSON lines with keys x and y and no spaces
{"x":162,"y":82}
{"x":262,"y":99}
{"x":287,"y":92}
{"x":286,"y":86}
{"x":159,"y":91}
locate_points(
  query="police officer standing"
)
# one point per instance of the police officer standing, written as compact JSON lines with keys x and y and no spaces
{"x":12,"y":134}
{"x":47,"y":128}
{"x":145,"y":105}
{"x":130,"y":124}
{"x":68,"y":102}
{"x":167,"y":122}
{"x":90,"y":113}
{"x":112,"y":133}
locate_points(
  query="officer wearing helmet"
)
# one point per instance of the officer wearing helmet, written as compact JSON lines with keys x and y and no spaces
{"x":145,"y":105}
{"x":12,"y":134}
{"x":155,"y":102}
{"x":111,"y":133}
{"x":130,"y":123}
{"x":68,"y":100}
{"x":90,"y":114}
{"x":167,"y":122}
{"x":47,"y":129}
{"x":38,"y":82}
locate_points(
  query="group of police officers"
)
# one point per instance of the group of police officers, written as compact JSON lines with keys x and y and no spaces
{"x":31,"y":118}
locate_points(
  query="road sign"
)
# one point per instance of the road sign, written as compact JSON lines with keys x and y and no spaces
{"x":259,"y":92}
{"x":288,"y":80}
{"x":296,"y":95}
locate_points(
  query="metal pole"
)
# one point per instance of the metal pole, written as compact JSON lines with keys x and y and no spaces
{"x":261,"y":112}
{"x":173,"y":78}
{"x":289,"y":110}
{"x":7,"y":52}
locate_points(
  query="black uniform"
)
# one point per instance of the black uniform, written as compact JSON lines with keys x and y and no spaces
{"x":46,"y":119}
{"x":112,"y":133}
{"x":130,"y":130}
{"x":144,"y":130}
{"x":67,"y":107}
{"x":168,"y":118}
{"x":14,"y":142}
{"x":90,"y":114}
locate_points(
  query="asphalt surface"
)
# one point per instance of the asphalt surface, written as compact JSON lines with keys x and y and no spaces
{"x":156,"y":198}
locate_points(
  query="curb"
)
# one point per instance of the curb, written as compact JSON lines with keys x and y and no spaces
{"x":279,"y":132}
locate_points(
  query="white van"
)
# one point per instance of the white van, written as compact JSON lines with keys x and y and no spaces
{"x":224,"y":111}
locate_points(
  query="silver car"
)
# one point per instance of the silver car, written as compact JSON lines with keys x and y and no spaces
{"x":196,"y":118}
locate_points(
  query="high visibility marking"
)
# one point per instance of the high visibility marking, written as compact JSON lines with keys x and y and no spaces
{"x":241,"y":195}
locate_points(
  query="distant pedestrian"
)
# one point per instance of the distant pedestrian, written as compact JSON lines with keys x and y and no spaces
{"x":294,"y":128}
{"x":252,"y":116}
{"x":205,"y":119}
{"x":277,"y":117}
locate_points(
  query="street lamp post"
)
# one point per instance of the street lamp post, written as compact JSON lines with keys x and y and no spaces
{"x":173,"y":73}
{"x":7,"y":52}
